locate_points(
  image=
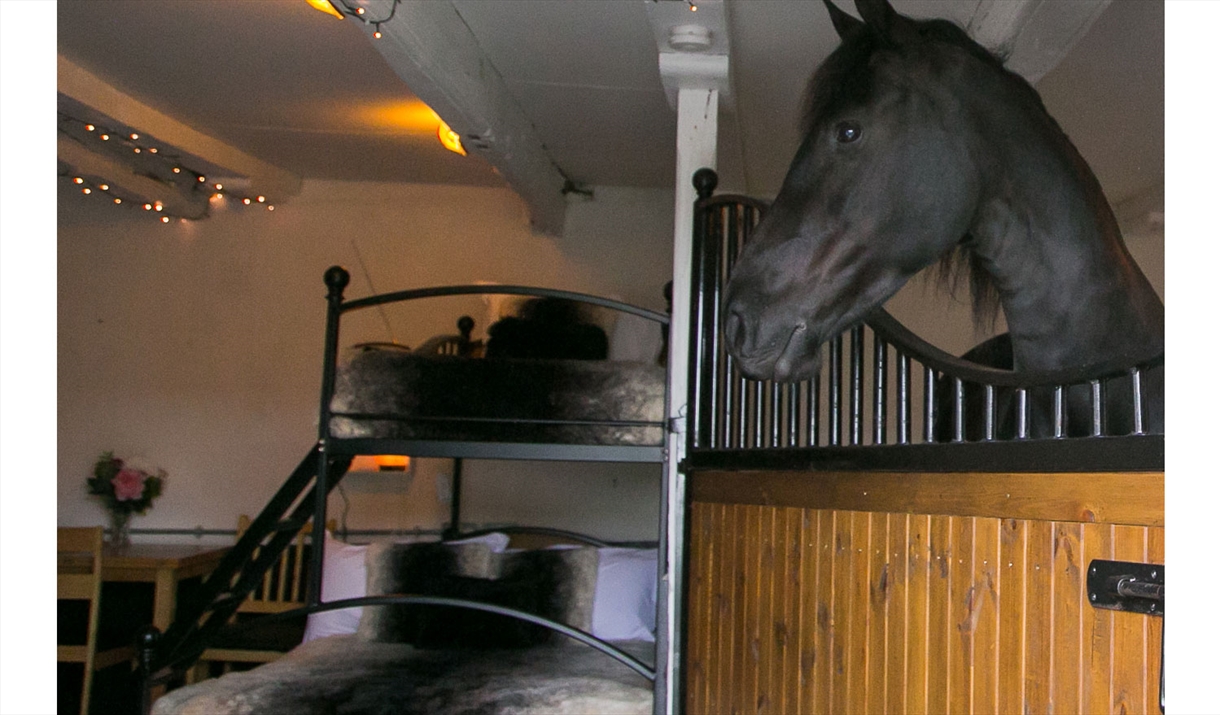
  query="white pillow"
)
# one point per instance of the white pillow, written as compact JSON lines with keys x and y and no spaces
{"x":343,"y":576}
{"x":625,"y":598}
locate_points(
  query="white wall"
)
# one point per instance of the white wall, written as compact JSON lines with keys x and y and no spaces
{"x":198,"y":346}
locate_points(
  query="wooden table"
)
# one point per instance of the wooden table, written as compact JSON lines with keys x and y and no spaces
{"x":163,"y":565}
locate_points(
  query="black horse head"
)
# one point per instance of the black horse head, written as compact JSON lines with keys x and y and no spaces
{"x":918,"y":143}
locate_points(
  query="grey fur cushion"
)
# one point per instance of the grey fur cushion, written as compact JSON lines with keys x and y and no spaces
{"x":553,"y":583}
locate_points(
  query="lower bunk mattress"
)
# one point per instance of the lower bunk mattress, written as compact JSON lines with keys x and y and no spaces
{"x":344,"y":675}
{"x":394,"y":394}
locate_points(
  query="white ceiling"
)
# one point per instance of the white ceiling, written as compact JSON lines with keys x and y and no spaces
{"x":312,"y":95}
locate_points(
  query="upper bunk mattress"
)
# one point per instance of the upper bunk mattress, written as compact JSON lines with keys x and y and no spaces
{"x":393,"y":394}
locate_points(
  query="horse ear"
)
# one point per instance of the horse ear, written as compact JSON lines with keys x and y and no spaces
{"x":881,"y":17}
{"x":845,"y":24}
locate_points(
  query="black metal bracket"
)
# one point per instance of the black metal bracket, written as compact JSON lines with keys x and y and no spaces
{"x":1126,"y":586}
{"x":1131,"y":587}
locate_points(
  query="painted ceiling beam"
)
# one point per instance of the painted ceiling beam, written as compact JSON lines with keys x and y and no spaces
{"x":90,"y":163}
{"x":430,"y":47}
{"x":1034,"y":35}
{"x":84,"y":87}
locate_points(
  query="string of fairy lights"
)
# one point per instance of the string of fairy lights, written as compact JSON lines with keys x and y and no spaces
{"x":343,"y":8}
{"x":153,"y":162}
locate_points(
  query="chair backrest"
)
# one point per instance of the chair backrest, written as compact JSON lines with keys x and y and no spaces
{"x":283,"y":586}
{"x":79,"y":578}
{"x":79,"y":561}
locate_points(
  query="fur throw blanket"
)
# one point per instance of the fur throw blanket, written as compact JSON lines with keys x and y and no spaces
{"x":342,"y":675}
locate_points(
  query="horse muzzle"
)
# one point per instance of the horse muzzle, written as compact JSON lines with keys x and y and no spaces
{"x":787,"y":354}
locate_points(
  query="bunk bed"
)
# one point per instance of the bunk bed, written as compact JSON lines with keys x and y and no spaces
{"x":459,"y":624}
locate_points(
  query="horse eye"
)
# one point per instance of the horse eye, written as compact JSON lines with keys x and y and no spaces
{"x":847,"y":132}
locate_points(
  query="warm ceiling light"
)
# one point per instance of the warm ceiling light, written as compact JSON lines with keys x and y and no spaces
{"x":326,"y":7}
{"x":450,"y":139}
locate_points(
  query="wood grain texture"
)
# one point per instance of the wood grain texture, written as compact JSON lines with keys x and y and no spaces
{"x":1135,"y":498}
{"x":799,"y":610}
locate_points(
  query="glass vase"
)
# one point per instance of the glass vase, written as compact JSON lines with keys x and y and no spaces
{"x":120,"y":529}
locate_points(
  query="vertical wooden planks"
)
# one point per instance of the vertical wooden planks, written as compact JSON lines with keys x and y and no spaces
{"x":697,"y":612}
{"x":793,"y":678}
{"x":879,"y":580}
{"x":1039,"y":626}
{"x":962,"y":615}
{"x":767,"y":684}
{"x":825,"y":611}
{"x":1131,"y":663}
{"x":1011,"y":570}
{"x":940,"y":547}
{"x":896,"y":613}
{"x":1156,"y":555}
{"x":855,"y":569}
{"x":1098,"y":627}
{"x":840,"y":615}
{"x":920,"y":573}
{"x":820,"y":607}
{"x":1067,"y":600}
{"x":985,"y":607}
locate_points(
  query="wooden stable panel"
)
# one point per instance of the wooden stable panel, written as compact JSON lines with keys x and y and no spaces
{"x":824,"y":609}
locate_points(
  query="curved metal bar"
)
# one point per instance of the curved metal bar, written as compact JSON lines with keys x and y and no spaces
{"x":898,"y":335}
{"x":540,"y":530}
{"x":441,"y":291}
{"x":405,"y":599}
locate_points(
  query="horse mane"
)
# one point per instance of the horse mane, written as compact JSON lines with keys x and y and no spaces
{"x":844,"y":78}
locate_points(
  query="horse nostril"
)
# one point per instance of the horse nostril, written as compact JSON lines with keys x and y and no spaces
{"x":734,"y":331}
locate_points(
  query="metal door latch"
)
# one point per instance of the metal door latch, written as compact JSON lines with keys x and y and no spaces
{"x":1131,"y":587}
{"x":1125,"y":586}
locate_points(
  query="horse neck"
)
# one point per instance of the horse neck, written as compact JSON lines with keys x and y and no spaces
{"x":1072,"y":295}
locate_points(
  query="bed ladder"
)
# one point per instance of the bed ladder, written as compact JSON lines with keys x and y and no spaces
{"x":239,"y":573}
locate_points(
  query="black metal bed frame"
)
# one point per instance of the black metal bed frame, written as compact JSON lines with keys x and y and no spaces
{"x":303,"y":496}
{"x":867,"y":412}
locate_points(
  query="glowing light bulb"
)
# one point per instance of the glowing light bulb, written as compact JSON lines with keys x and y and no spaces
{"x":105,"y":137}
{"x":136,"y":150}
{"x":158,"y":206}
{"x":262,"y":199}
{"x":77,"y":180}
{"x":694,"y":7}
{"x":104,"y":187}
{"x":117,"y":200}
{"x":86,"y":190}
{"x":177,"y":170}
{"x":450,"y":139}
{"x":326,"y":7}
{"x":134,"y":136}
{"x":89,"y":127}
{"x":246,"y":201}
{"x":359,"y":11}
{"x":148,"y":207}
{"x":219,"y":187}
{"x":152,"y":150}
{"x":203,"y":179}
{"x":165,"y":219}
{"x":376,"y":34}
{"x":270,"y":207}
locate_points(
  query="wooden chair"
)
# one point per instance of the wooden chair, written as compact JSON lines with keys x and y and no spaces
{"x":79,"y":560}
{"x":282,"y":589}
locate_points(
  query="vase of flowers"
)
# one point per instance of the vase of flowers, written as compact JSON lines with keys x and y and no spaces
{"x":126,"y":488}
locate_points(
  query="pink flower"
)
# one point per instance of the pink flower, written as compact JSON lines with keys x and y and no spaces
{"x":128,"y":485}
